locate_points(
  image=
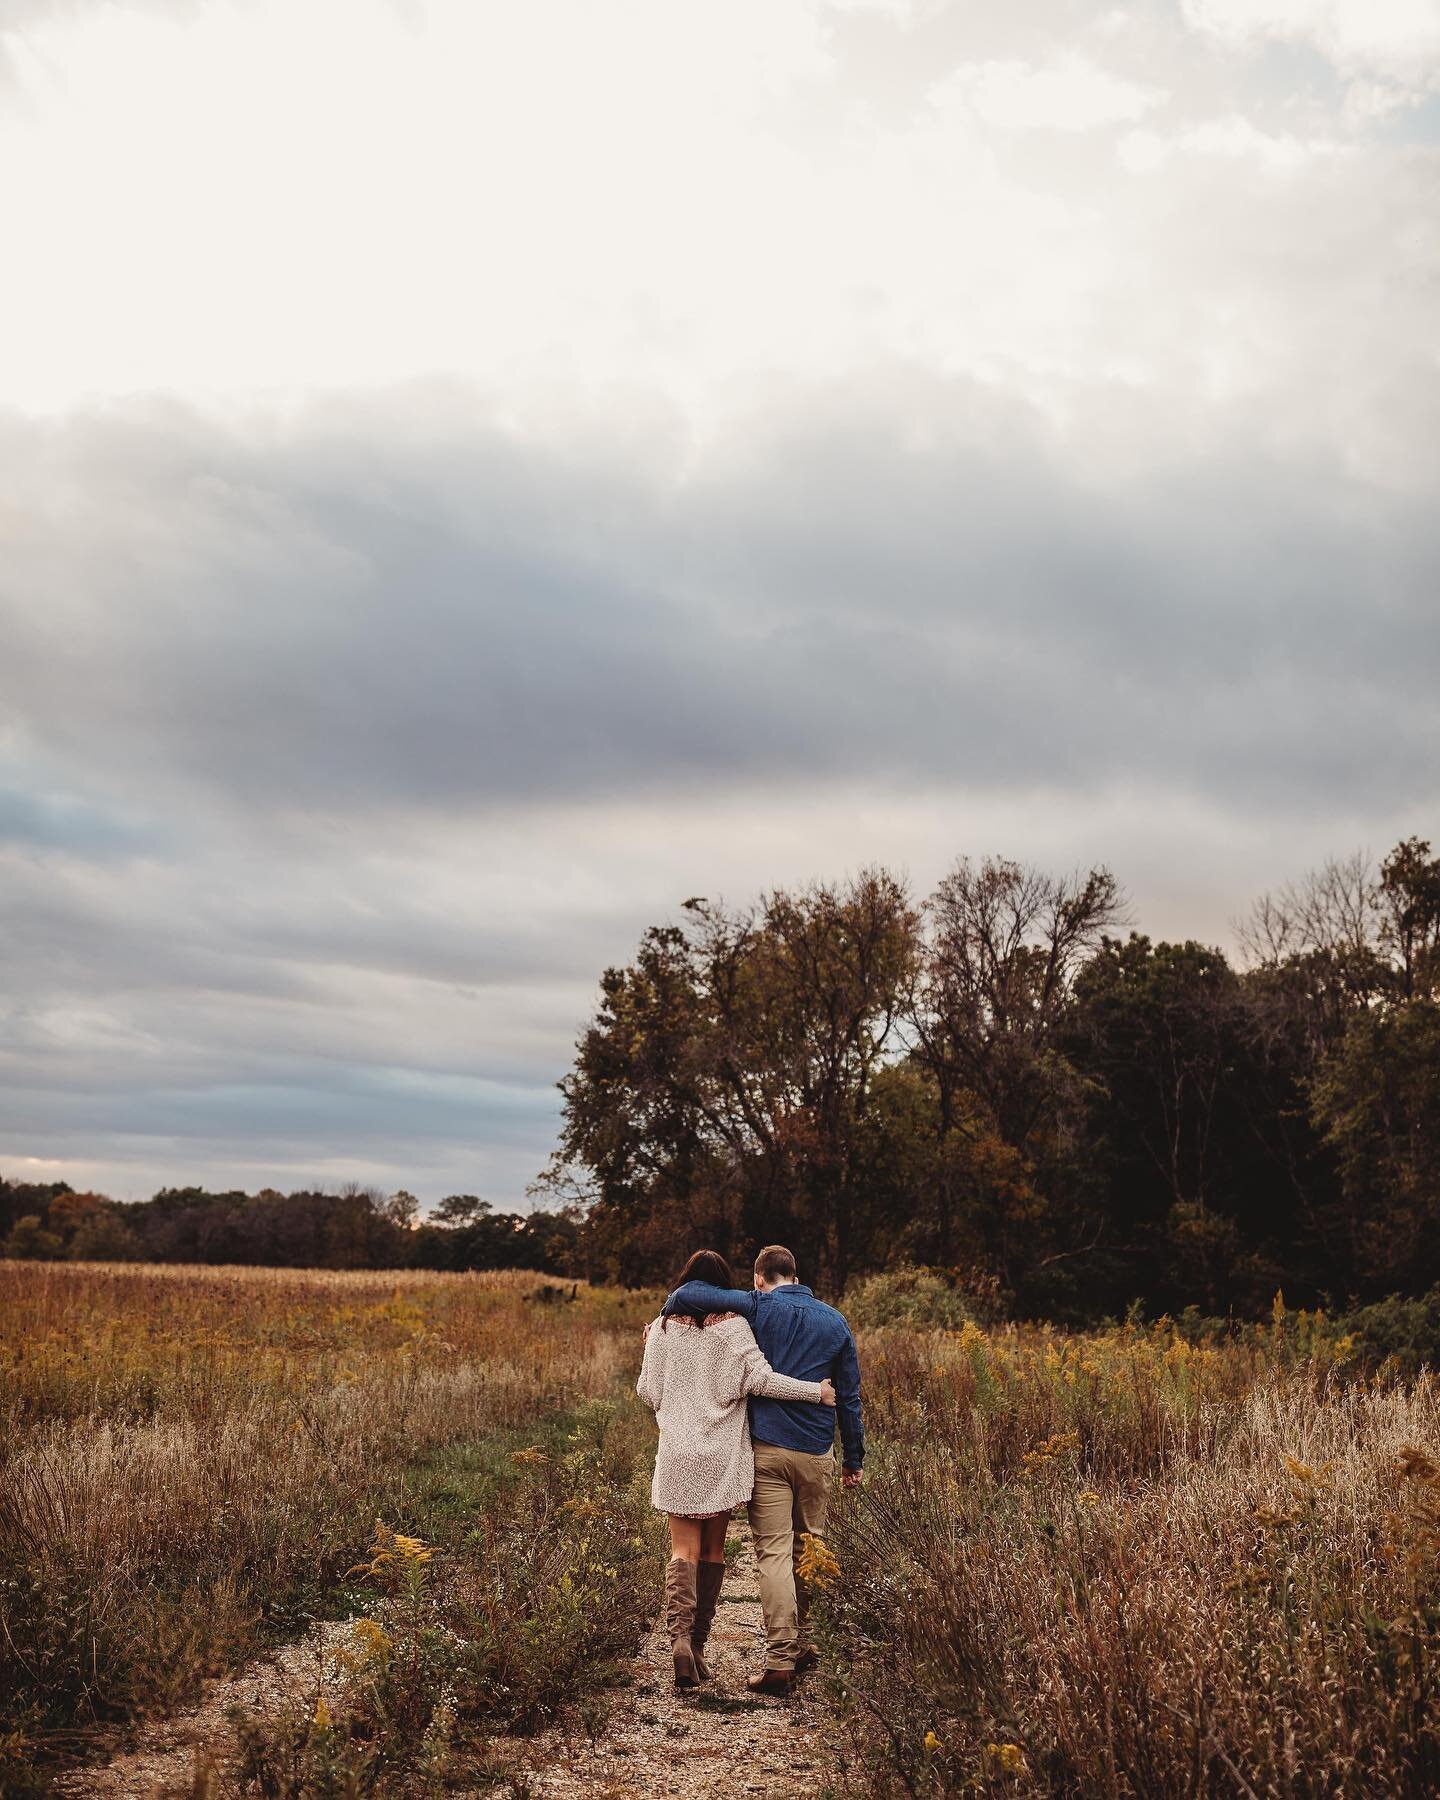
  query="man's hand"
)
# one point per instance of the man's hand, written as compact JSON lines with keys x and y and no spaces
{"x":853,"y":1478}
{"x":827,"y":1394}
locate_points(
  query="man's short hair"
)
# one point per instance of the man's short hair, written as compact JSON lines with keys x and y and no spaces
{"x":775,"y":1263}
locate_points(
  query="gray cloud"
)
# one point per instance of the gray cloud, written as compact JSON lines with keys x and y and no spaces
{"x":905,"y":582}
{"x":324,"y":625}
{"x":306,"y":691}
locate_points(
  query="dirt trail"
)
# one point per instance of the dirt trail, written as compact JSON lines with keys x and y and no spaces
{"x":712,"y":1744}
{"x":171,"y":1749}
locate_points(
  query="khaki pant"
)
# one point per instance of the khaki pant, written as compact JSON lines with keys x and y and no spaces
{"x":792,"y":1494}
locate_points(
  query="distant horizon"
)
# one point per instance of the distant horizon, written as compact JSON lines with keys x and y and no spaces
{"x":571,"y":460}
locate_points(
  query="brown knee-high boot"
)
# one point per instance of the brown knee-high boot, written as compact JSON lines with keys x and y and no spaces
{"x":680,"y":1618}
{"x":708,"y":1584}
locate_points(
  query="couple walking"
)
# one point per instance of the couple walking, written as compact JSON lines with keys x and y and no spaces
{"x":747,"y":1386}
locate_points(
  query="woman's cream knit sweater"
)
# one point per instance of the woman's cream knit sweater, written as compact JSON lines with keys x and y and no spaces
{"x":696,"y":1378}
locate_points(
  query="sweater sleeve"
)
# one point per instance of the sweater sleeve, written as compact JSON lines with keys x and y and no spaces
{"x":651,"y":1385}
{"x":697,"y":1298}
{"x":754,"y":1375}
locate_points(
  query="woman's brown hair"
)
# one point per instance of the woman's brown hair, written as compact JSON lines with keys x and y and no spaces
{"x":705,"y":1265}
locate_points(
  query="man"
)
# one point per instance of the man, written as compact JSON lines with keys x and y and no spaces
{"x":794,"y":1442}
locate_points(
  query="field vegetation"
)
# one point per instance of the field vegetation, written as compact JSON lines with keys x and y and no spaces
{"x":1179,"y":1558}
{"x":1140,"y":1562}
{"x":194,"y":1462}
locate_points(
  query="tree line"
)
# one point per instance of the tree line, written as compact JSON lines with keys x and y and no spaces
{"x":357,"y":1228}
{"x":1004,"y":1081}
{"x":1008,"y":1081}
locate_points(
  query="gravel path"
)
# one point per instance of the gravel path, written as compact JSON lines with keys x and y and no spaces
{"x":713,"y":1744}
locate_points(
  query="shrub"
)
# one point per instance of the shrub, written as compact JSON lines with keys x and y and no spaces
{"x":1404,"y":1333}
{"x":917,"y":1298}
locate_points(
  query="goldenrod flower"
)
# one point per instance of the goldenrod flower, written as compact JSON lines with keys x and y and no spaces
{"x":971,"y":1336}
{"x":1303,"y":1472}
{"x":817,"y":1563}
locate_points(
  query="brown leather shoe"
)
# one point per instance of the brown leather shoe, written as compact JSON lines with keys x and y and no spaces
{"x":773,"y":1681}
{"x":806,"y":1661}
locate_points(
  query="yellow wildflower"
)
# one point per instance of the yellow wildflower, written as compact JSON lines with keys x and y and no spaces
{"x":971,"y":1336}
{"x":1303,"y":1472}
{"x":932,"y":1743}
{"x":817,"y":1563}
{"x":372,"y":1638}
{"x":1088,"y":1497}
{"x":1063,"y":1443}
{"x":322,"y":1714}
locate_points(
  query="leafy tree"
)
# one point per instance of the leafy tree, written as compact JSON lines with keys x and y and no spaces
{"x":1002,"y":946}
{"x":1377,"y":1102}
{"x":459,"y":1209}
{"x":723,"y":1091}
{"x":1410,"y":929}
{"x":28,"y":1240}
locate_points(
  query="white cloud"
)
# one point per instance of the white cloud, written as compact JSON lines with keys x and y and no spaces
{"x":1069,"y":94}
{"x":1370,"y":103}
{"x":1395,"y":38}
{"x":1232,"y":137}
{"x":904,"y":12}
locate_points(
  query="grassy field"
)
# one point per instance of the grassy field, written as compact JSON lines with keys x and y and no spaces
{"x":1129,"y":1563}
{"x":194,"y":1462}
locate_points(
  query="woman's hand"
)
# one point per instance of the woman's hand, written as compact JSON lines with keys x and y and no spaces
{"x":827,"y":1393}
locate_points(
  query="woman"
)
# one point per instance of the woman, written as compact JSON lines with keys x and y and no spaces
{"x":696,"y":1377}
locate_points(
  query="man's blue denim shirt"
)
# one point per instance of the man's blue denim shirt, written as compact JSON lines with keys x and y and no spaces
{"x":800,"y":1336}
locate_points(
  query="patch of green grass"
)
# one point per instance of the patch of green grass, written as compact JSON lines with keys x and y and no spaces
{"x":727,"y":1703}
{"x":454,"y":1487}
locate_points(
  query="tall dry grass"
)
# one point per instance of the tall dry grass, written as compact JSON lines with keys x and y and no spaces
{"x":191,"y":1458}
{"x":1129,"y":1565}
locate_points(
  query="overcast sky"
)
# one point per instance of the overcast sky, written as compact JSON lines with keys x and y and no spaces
{"x":474,"y":473}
